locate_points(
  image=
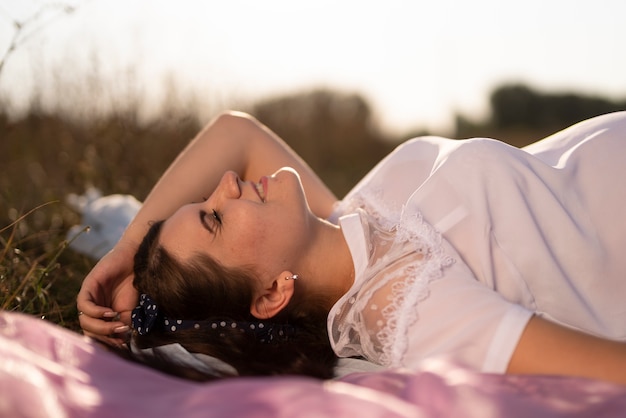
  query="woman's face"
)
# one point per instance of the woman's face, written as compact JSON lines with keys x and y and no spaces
{"x":263,"y":226}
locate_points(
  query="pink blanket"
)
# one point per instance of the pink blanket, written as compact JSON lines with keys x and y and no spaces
{"x":47,"y":371}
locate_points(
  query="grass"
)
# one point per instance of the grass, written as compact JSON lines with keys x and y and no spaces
{"x":43,"y":158}
{"x":34,"y":274}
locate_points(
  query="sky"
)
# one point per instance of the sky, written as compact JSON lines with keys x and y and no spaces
{"x":418,"y":63}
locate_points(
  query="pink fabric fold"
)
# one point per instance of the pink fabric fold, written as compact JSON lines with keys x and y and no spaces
{"x":48,"y":371}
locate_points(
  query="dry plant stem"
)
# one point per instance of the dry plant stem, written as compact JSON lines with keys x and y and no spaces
{"x":33,"y":264}
{"x":18,"y":220}
{"x":34,"y":277}
{"x":18,"y":36}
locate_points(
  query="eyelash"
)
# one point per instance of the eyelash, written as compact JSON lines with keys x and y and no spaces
{"x":217,"y":217}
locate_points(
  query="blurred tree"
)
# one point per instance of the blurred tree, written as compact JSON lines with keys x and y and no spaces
{"x":521,"y":115}
{"x":519,"y":106}
{"x":334,"y":132}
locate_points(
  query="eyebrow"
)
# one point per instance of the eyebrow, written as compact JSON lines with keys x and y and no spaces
{"x":203,"y":221}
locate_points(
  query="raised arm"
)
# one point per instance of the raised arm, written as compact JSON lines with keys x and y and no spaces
{"x":232,"y":141}
{"x":549,"y":348}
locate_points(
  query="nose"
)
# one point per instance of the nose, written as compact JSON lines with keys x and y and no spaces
{"x":228,"y":187}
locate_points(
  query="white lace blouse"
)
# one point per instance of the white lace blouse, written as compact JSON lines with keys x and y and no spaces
{"x":456,"y":244}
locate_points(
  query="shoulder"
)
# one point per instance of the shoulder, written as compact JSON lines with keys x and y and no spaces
{"x":397,"y":175}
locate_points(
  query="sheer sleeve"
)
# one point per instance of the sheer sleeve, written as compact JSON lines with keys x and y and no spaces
{"x":416,"y":299}
{"x":403,"y":257}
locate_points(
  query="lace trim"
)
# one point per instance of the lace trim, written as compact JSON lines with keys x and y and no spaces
{"x":406,"y":254}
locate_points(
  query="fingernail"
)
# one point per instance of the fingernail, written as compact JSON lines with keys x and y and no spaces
{"x":121,"y":329}
{"x":109,"y":314}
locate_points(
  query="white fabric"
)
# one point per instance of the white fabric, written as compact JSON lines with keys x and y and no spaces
{"x":104,"y":219}
{"x":349,"y":365}
{"x":540,"y":230}
{"x":178,"y":355}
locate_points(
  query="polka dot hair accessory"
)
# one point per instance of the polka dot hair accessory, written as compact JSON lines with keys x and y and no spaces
{"x":144,"y":317}
{"x":147,"y":318}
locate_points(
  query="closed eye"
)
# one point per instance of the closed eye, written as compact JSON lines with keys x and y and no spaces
{"x":217,"y":217}
{"x":203,"y":221}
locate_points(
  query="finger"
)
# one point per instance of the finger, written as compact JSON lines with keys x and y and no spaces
{"x":89,"y":308}
{"x":125,"y":316}
{"x":101,"y":327}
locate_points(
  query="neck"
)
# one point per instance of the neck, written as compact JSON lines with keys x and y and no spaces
{"x":330,"y":265}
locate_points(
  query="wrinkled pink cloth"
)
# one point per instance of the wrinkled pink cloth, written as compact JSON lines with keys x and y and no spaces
{"x":48,"y":371}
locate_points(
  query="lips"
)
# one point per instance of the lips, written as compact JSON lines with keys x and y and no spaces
{"x":261,"y":188}
{"x":263,"y":182}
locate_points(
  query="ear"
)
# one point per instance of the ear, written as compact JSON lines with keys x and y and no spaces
{"x":270,"y":301}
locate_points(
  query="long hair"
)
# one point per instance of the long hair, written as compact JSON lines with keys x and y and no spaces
{"x":202,"y":289}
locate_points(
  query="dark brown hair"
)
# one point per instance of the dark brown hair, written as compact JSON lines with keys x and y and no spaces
{"x":203,"y":289}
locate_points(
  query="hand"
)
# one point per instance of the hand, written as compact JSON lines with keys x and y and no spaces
{"x":107,"y":297}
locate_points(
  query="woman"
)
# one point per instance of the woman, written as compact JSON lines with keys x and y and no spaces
{"x":506,"y":260}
